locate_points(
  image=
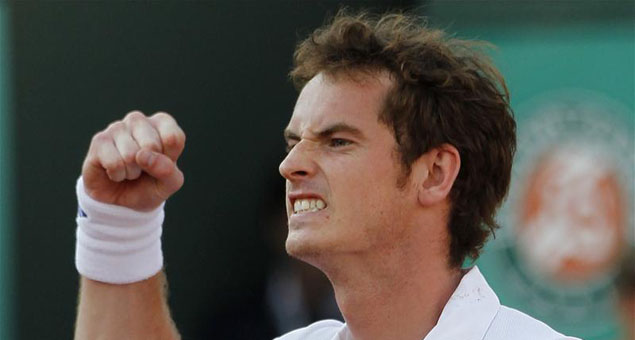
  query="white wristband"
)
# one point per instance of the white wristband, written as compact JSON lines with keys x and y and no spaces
{"x":116,"y":244}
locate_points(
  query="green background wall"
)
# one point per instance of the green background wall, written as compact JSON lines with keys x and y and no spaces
{"x":68,"y":68}
{"x":6,"y":194}
{"x":220,"y":67}
{"x":546,"y":49}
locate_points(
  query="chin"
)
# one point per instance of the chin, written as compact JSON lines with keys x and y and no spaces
{"x":303,"y":246}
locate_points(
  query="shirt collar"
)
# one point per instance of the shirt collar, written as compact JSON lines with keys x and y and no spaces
{"x":469,"y":311}
{"x":467,"y":315}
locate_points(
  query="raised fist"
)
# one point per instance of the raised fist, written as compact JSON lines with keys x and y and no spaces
{"x":132,"y":163}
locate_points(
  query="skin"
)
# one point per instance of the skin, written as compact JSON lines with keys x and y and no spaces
{"x":345,"y":167}
{"x":379,"y":243}
{"x":131,"y":163}
{"x":132,"y":311}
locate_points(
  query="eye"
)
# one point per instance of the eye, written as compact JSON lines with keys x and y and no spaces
{"x":339,"y":142}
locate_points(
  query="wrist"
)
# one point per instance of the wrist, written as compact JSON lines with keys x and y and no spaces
{"x":116,"y":244}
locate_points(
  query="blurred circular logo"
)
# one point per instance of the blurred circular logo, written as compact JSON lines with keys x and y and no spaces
{"x":571,"y":214}
{"x":570,"y":194}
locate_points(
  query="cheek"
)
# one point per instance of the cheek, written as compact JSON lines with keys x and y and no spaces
{"x":369,"y":205}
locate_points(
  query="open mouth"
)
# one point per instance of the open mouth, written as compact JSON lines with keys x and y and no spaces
{"x":303,"y":205}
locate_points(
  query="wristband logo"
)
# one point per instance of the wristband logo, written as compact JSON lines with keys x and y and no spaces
{"x":81,"y":212}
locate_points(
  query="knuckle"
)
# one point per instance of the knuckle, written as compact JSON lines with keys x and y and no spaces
{"x":129,"y":157}
{"x":134,"y":115}
{"x":152,"y":145}
{"x":115,"y":175}
{"x":116,"y":126}
{"x":175,"y":139}
{"x":170,"y":140}
{"x":181,"y":137}
{"x":114,"y":165}
{"x":180,"y":179}
{"x":133,"y":172}
{"x":100,"y":137}
{"x":162,"y":116}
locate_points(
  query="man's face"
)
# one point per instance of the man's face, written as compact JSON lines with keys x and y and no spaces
{"x":342,"y":170}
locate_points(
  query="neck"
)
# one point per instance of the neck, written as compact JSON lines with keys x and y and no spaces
{"x":393,"y":293}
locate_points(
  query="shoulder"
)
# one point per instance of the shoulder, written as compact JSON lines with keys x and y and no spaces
{"x":321,"y":330}
{"x":510,"y":323}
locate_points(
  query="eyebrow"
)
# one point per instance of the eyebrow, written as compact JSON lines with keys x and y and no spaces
{"x":328,"y":131}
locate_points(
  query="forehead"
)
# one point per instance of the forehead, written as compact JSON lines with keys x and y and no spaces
{"x":327,"y":100}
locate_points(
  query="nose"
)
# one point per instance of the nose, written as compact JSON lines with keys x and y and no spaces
{"x":299,"y":164}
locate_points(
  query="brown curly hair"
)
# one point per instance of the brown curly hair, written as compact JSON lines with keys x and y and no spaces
{"x":445,"y":90}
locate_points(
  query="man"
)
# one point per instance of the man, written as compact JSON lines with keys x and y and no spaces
{"x":400,"y":149}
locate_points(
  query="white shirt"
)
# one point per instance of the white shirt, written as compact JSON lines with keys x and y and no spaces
{"x":473,"y":312}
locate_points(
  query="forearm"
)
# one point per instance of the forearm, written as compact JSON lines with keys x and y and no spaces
{"x":129,"y":171}
{"x":130,"y":311}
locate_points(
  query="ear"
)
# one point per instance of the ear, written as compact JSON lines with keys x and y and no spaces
{"x":436,"y":171}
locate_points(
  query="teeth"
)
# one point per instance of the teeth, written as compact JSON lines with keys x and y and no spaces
{"x":320,"y":204}
{"x":306,"y":205}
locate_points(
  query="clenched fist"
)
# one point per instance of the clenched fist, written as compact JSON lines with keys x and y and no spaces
{"x":133,"y":162}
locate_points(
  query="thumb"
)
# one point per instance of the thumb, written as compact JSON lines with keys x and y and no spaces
{"x":168,"y":176}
